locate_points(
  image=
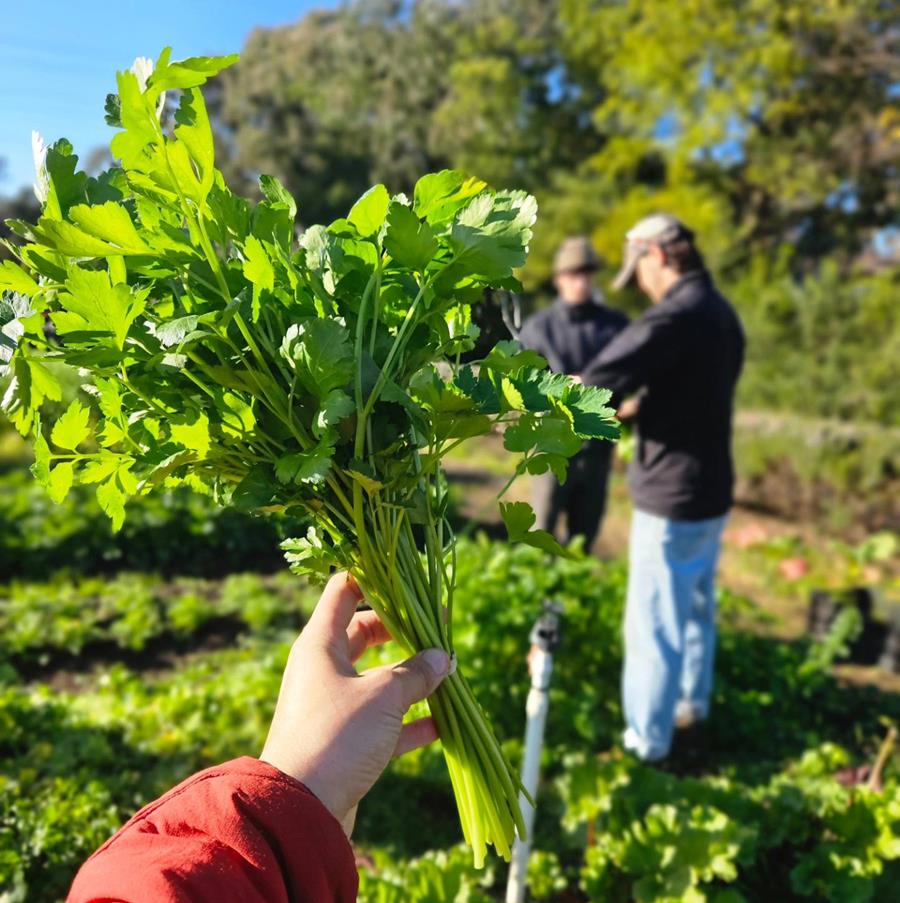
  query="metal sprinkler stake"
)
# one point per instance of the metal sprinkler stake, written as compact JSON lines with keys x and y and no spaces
{"x":545,"y":637}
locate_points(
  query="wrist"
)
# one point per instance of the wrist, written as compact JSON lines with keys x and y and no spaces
{"x":312,"y":775}
{"x":308,"y":779}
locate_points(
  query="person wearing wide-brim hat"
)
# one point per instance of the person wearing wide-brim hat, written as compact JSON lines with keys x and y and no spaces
{"x":684,"y":355}
{"x":569,"y":333}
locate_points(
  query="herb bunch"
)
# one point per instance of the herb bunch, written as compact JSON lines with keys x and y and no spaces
{"x":319,"y":376}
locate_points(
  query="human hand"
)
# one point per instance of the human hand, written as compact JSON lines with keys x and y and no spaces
{"x":334,"y":729}
{"x":629,"y":408}
{"x":576,"y":378}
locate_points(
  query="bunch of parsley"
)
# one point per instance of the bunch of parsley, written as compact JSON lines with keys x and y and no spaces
{"x":319,"y":376}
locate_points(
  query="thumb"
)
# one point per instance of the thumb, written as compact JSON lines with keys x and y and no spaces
{"x":419,"y":676}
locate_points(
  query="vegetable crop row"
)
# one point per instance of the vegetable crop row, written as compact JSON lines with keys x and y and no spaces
{"x":38,"y":621}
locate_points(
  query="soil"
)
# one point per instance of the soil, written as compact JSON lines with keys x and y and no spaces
{"x":781,"y":493}
{"x":68,"y":672}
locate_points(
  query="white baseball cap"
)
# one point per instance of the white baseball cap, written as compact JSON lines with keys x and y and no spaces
{"x":656,"y":229}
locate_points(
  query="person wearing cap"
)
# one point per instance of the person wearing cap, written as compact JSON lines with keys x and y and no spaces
{"x":568,"y":334}
{"x":684,"y":355}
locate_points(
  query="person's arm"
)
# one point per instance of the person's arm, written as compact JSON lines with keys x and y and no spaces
{"x":275,"y":828}
{"x":241,"y":831}
{"x":647,"y":346}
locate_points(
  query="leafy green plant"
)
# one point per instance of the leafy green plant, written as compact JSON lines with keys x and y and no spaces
{"x":445,"y":875}
{"x":75,"y":763}
{"x":37,"y":616}
{"x":174,"y":533}
{"x":140,"y":613}
{"x":847,"y":627}
{"x":322,"y":379}
{"x":260,"y":602}
{"x":670,"y":852}
{"x":662,"y":838}
{"x":189,"y":611}
{"x":545,"y":876}
{"x":40,"y":622}
{"x":58,"y":772}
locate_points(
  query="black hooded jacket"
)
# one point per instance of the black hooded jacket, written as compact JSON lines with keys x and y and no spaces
{"x":569,"y":336}
{"x":686,"y":353}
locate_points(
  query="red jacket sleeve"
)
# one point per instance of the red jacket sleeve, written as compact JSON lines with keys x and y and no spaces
{"x":242,"y":831}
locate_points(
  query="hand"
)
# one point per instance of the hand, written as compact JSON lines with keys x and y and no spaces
{"x":629,"y":408}
{"x":335,"y":730}
{"x":576,"y":378}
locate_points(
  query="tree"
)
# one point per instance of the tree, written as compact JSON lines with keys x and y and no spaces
{"x":515,"y":109}
{"x":764,"y":123}
{"x":338,"y":101}
{"x":385,"y":90}
{"x":786,"y":112}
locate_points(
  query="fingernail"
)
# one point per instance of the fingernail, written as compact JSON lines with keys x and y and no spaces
{"x":351,"y":582}
{"x":438,"y":661}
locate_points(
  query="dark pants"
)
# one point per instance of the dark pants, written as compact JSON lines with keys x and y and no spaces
{"x":582,"y":498}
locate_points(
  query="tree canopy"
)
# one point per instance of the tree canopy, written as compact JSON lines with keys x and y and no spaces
{"x":767,"y":124}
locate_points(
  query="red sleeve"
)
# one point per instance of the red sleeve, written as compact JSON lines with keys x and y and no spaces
{"x":242,"y":831}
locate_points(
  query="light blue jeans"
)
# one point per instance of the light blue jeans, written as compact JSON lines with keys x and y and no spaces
{"x":670,"y":628}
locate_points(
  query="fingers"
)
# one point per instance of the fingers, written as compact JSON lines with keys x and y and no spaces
{"x":416,"y":734}
{"x":365,"y":630}
{"x":335,"y":610}
{"x":418,"y":676}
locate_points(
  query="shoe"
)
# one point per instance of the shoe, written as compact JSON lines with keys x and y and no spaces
{"x":690,"y":745}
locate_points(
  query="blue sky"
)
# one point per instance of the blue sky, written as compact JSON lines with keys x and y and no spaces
{"x":58,"y":60}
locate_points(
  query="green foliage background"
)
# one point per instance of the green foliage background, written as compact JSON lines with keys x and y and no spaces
{"x":762,"y":816}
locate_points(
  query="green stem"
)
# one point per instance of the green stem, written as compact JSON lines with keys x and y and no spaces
{"x":395,"y":348}
{"x":361,"y":413}
{"x":198,"y":383}
{"x":376,"y":311}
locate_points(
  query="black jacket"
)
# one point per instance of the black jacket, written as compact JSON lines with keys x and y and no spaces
{"x":569,"y":336}
{"x":686,"y":352}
